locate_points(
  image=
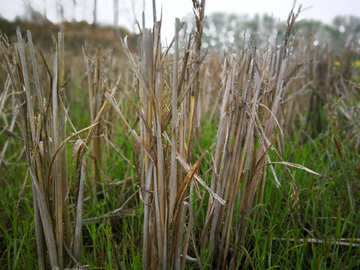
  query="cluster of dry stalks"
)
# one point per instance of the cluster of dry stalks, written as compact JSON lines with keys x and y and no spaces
{"x":42,"y":124}
{"x":43,"y":131}
{"x":174,"y":92}
{"x":251,"y":89}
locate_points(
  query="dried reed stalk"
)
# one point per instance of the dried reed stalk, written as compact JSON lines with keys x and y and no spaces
{"x":31,"y":142}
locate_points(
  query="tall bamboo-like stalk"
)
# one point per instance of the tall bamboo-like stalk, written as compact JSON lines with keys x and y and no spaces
{"x":199,"y":10}
{"x":62,"y":126}
{"x":173,"y":187}
{"x":30,"y":142}
{"x":96,"y":89}
{"x":57,"y":193}
{"x":59,"y":173}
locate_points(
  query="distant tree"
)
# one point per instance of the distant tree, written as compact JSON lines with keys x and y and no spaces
{"x":94,"y":14}
{"x":222,"y":30}
{"x":74,"y":10}
{"x":60,"y":10}
{"x":45,"y":15}
{"x":226,"y":31}
{"x":116,"y":13}
{"x":28,"y":10}
{"x":348,"y":25}
{"x":324,"y":34}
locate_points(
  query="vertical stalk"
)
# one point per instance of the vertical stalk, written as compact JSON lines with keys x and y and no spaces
{"x":31,"y":142}
{"x":57,"y":169}
{"x":173,"y":182}
{"x":194,"y":98}
{"x":79,"y":213}
{"x":62,"y":126}
{"x":147,"y":235}
{"x":96,"y":142}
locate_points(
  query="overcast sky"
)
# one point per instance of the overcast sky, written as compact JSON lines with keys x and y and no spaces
{"x":324,"y":10}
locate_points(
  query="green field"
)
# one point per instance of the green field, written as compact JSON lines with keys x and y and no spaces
{"x":124,"y":154}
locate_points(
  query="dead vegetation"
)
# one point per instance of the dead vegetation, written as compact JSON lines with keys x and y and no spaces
{"x":254,"y":95}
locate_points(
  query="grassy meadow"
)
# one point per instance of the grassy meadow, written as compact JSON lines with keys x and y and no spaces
{"x":120,"y":153}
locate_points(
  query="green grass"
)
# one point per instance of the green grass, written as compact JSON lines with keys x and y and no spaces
{"x":276,"y":238}
{"x":324,"y":209}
